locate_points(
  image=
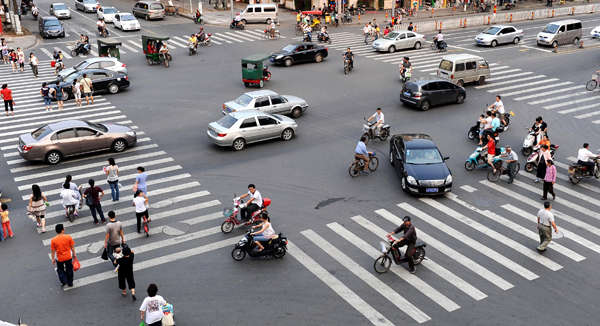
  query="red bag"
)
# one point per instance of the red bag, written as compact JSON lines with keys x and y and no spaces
{"x":52,"y":63}
{"x":76,"y":264}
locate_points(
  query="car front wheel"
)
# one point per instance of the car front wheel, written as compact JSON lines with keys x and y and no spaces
{"x":287,"y":134}
{"x":119,"y":145}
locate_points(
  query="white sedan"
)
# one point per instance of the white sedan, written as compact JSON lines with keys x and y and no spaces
{"x":126,"y":22}
{"x":107,"y":13}
{"x":499,"y":34}
{"x":595,"y":33}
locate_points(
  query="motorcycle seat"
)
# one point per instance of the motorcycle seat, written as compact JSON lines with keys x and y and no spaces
{"x":420,"y":244}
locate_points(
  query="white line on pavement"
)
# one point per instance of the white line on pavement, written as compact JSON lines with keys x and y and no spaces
{"x":543,"y":94}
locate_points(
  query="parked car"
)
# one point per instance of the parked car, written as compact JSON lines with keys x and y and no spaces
{"x":55,"y":141}
{"x":86,"y":5}
{"x":107,"y":13}
{"x":419,"y":164}
{"x":267,"y":101}
{"x":149,"y":9}
{"x":103,"y":80}
{"x":109,"y":63}
{"x":60,"y":10}
{"x":236,"y":129}
{"x":50,"y":26}
{"x":424,"y":94}
{"x":499,"y":34}
{"x":595,"y":33}
{"x":399,"y":40}
{"x":299,"y":52}
{"x":126,"y":22}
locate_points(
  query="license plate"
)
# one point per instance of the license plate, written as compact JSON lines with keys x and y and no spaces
{"x":407,"y":94}
{"x":272,"y":59}
{"x":431,"y":190}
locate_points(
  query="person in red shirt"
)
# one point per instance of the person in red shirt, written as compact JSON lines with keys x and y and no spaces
{"x":63,"y":253}
{"x":8,"y":99}
{"x":491,"y":149}
{"x":386,"y":31}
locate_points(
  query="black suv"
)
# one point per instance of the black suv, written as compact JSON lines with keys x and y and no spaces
{"x":50,"y":26}
{"x":420,"y":165}
{"x":424,"y":94}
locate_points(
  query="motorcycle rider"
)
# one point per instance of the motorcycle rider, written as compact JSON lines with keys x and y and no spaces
{"x":585,"y":157}
{"x":360,"y":152}
{"x":323,"y":35}
{"x":253,"y":204}
{"x":511,"y":160}
{"x":408,"y":239}
{"x":198,"y":16}
{"x":265,"y":233}
{"x":34,"y":10}
{"x":348,"y":55}
{"x":438,"y":39}
{"x":539,"y":126}
{"x":272,"y":29}
{"x":404,"y":66}
{"x":498,"y":106}
{"x":236,"y":21}
{"x":307,"y":33}
{"x":487,"y":127}
{"x":491,"y":150}
{"x":101,"y":26}
{"x":194,"y":40}
{"x":201,"y":36}
{"x":379,"y":119}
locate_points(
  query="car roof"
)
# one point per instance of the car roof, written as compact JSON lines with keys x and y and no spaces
{"x":246,"y":114}
{"x":460,"y":56}
{"x":97,"y":59}
{"x":503,"y":26}
{"x":67,"y":124}
{"x":416,"y":140}
{"x":49,"y":18}
{"x":262,"y":92}
{"x":565,"y":21}
{"x":148,"y":1}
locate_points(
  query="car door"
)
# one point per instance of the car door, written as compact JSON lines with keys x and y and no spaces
{"x":100,"y":81}
{"x":471,"y":71}
{"x":429,"y":93}
{"x":263,"y":104}
{"x":279,"y":104}
{"x":66,"y":141}
{"x":249,"y":130}
{"x":446,"y":92}
{"x":269,"y":127}
{"x":505,"y":35}
{"x":299,"y":53}
{"x":90,"y":140}
{"x":308,"y":53}
{"x":396,"y":155}
{"x":411,"y":38}
{"x":400,"y":41}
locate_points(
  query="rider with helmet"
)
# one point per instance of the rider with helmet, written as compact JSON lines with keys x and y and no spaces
{"x":408,"y":239}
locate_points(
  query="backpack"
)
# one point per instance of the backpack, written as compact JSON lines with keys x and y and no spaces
{"x":45,"y":91}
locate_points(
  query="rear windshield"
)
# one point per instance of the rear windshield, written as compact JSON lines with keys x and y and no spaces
{"x":156,"y":6}
{"x":551,"y":28}
{"x":41,"y":132}
{"x":97,"y":126}
{"x":127,"y":17}
{"x":243,"y":100}
{"x":227,"y":121}
{"x":446,"y":65}
{"x":60,"y":7}
{"x":412,"y":87}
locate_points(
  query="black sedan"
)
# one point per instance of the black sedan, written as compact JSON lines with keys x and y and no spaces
{"x":299,"y":52}
{"x":424,"y":94}
{"x":103,"y":81}
{"x":420,"y":165}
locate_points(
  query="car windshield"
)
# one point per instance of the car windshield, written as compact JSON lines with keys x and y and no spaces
{"x":127,"y":17}
{"x":288,"y":48}
{"x":41,"y":132}
{"x":492,"y":30}
{"x":243,"y":100}
{"x":423,"y":156}
{"x":109,"y":10}
{"x":81,"y":65}
{"x":551,"y":28}
{"x":446,"y":65}
{"x":227,"y":121}
{"x":52,"y":23}
{"x":97,"y":126}
{"x":60,"y":7}
{"x":391,"y":35}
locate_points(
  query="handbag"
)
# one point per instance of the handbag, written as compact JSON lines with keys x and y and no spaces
{"x":168,"y":320}
{"x":76,"y":264}
{"x":104,"y":254}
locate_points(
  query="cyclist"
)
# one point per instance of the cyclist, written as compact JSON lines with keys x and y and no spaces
{"x":360,"y":152}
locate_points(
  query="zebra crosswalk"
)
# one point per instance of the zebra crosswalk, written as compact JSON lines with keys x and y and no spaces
{"x":474,"y":250}
{"x":183,"y":212}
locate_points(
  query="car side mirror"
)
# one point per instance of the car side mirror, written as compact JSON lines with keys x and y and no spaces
{"x":98,"y":134}
{"x":446,"y":158}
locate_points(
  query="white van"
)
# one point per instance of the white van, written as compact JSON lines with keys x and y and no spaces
{"x":464,"y":68}
{"x":259,"y":13}
{"x":567,"y":31}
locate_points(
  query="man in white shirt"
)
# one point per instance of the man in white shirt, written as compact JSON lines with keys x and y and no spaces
{"x":379,"y":119}
{"x":585,"y":157}
{"x":545,"y":223}
{"x":367,"y":32}
{"x":253,"y":204}
{"x":498,"y":106}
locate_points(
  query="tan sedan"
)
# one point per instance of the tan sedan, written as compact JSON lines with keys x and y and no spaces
{"x":55,"y":141}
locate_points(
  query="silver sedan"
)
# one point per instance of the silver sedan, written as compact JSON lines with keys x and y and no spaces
{"x":499,"y":34}
{"x":267,"y":101}
{"x":398,"y":40}
{"x":239,"y":128}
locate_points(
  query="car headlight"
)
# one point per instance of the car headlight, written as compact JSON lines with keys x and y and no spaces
{"x":448,"y":179}
{"x":411,"y":180}
{"x":278,"y":57}
{"x":131,"y":133}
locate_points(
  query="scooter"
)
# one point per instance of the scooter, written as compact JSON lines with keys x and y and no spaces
{"x":478,"y":159}
{"x":233,"y":217}
{"x":324,"y":38}
{"x":206,"y":40}
{"x":529,"y":141}
{"x":370,"y":131}
{"x":103,"y":32}
{"x":532,"y":160}
{"x":192,"y":48}
{"x":440,"y":46}
{"x":384,"y":262}
{"x":275,"y":247}
{"x":71,"y":213}
{"x":406,"y":76}
{"x":239,"y":25}
{"x":79,"y":49}
{"x":578,"y":172}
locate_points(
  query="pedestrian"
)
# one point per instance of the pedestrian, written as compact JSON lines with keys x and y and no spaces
{"x":140,"y":201}
{"x":59,"y":93}
{"x":140,"y":180}
{"x":549,"y":180}
{"x":545,"y":220}
{"x":151,"y":308}
{"x":34,"y":63}
{"x":63,"y":253}
{"x":87,"y":89}
{"x":76,"y":90}
{"x":543,"y":156}
{"x":6,"y":94}
{"x":125,"y":272}
{"x":4,"y":52}
{"x":375,"y":28}
{"x":93,"y":196}
{"x":112,"y":177}
{"x":410,"y":26}
{"x":114,"y":237}
{"x":366,"y":32}
{"x":37,"y":206}
{"x":7,"y":230}
{"x":13,"y":60}
{"x":21,"y":59}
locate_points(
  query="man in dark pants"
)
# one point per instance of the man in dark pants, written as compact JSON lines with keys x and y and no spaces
{"x":114,"y":236}
{"x":63,"y":253}
{"x":253,"y":204}
{"x":409,"y":239}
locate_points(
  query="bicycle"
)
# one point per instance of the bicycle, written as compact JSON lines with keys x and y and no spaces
{"x":299,"y":29}
{"x":146,"y":224}
{"x":70,"y":212}
{"x":593,"y":83}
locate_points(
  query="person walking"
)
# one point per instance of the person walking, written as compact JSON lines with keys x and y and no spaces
{"x":366,"y":32}
{"x":140,"y":180}
{"x":543,"y":157}
{"x":125,"y":273}
{"x":6,"y":94}
{"x":86,"y":82}
{"x":13,"y":60}
{"x":112,"y":177}
{"x":45,"y":92}
{"x":151,"y":308}
{"x":34,"y":63}
{"x":5,"y":222}
{"x":60,"y":95}
{"x":114,"y":236}
{"x":545,"y":220}
{"x":76,"y":90}
{"x":5,"y":52}
{"x":140,"y":201}
{"x":21,"y":59}
{"x":63,"y":253}
{"x":92,"y":196}
{"x":549,"y":180}
{"x":37,"y":206}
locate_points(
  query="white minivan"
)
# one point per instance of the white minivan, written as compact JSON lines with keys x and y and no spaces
{"x":259,"y":13}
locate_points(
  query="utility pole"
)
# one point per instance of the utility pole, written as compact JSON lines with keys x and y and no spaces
{"x":232,"y":10}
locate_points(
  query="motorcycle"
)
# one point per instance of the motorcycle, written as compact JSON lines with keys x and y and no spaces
{"x":307,"y":37}
{"x":383,"y":263}
{"x":532,"y":160}
{"x":478,"y":159}
{"x":233,"y":217}
{"x":529,"y":142}
{"x":358,"y":165}
{"x":346,"y":18}
{"x":347,"y":67}
{"x":192,"y":48}
{"x":324,"y":38}
{"x":440,"y":46}
{"x":577,"y":171}
{"x":406,"y":76}
{"x":239,"y":25}
{"x":71,"y":213}
{"x":276,"y":247}
{"x":103,"y":31}
{"x":500,"y":171}
{"x":473,"y":132}
{"x":206,"y":40}
{"x":369,"y":131}
{"x":78,"y":49}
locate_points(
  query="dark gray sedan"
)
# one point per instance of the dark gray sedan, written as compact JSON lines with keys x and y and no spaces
{"x":54,"y":141}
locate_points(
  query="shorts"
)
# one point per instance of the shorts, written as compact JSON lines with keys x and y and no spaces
{"x":77,"y":96}
{"x":22,"y":64}
{"x":490,"y":157}
{"x":47,"y":100}
{"x":59,"y":97}
{"x":87,"y":94}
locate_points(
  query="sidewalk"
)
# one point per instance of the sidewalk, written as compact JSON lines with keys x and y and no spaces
{"x":24,"y":42}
